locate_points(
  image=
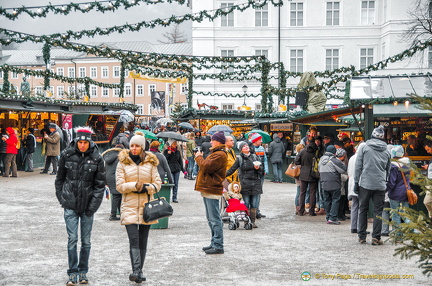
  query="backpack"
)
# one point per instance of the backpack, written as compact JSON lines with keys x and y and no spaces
{"x":314,"y":170}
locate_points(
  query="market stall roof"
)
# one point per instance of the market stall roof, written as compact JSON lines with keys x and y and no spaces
{"x":215,"y":114}
{"x":327,"y":116}
{"x":400,"y":110}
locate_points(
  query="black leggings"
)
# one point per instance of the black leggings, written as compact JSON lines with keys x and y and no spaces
{"x":138,"y":235}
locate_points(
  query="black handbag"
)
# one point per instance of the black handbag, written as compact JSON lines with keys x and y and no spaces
{"x":156,"y":209}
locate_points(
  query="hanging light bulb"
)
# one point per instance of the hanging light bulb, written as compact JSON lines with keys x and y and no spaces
{"x":395,"y":103}
{"x":407,"y":103}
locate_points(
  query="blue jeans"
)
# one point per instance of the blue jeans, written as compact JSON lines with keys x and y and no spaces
{"x":73,"y":219}
{"x":191,"y":165}
{"x":277,"y":172}
{"x":396,"y":205}
{"x":331,"y":203}
{"x":195,"y":170}
{"x":176,"y":177}
{"x":251,"y":201}
{"x":215,"y":222}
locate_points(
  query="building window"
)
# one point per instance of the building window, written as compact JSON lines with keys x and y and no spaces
{"x":15,"y":75}
{"x":39,"y":90}
{"x":227,"y":20}
{"x":116,"y":92}
{"x":430,"y":58}
{"x":366,"y":57}
{"x":105,"y":92}
{"x":152,"y":87}
{"x":227,"y":106}
{"x":128,"y":90}
{"x":93,"y":91}
{"x":332,"y":59}
{"x":104,"y":72}
{"x":262,"y":53}
{"x":71,"y":72}
{"x":60,"y":91}
{"x":227,"y":53}
{"x":261,"y":16}
{"x":116,"y":71}
{"x":296,"y":14}
{"x":37,"y":76}
{"x":93,"y":72}
{"x":258,"y":106}
{"x":184,"y":88}
{"x":140,"y":90}
{"x":367,"y":12}
{"x":383,"y":48}
{"x":60,"y":71}
{"x":296,"y":60}
{"x":140,"y":109}
{"x":82,"y":72}
{"x":332,"y":14}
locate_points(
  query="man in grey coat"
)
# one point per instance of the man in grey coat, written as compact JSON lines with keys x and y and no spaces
{"x":330,"y":169}
{"x":372,"y":169}
{"x":52,"y":149}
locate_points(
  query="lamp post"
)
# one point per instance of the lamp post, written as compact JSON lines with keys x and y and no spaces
{"x":244,"y":88}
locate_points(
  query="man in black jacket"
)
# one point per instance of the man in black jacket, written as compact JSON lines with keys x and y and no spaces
{"x":80,"y":185}
{"x":30,"y":145}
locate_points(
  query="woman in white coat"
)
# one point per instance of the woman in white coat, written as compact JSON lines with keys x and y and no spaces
{"x":353,"y":197}
{"x":136,"y":178}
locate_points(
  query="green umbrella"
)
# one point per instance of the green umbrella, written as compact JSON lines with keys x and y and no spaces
{"x":266,"y":138}
{"x":147,"y":134}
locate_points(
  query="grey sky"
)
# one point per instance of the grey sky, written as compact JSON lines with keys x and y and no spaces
{"x":77,"y":21}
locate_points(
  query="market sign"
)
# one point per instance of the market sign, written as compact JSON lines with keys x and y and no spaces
{"x":281,"y":126}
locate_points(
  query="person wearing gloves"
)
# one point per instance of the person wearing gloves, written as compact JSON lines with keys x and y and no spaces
{"x":175,"y":162}
{"x":80,"y":185}
{"x":371,"y":172}
{"x":331,"y":168}
{"x":137,"y":178}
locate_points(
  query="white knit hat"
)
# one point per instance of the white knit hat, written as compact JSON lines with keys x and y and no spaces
{"x":378,"y":132}
{"x":138,"y":139}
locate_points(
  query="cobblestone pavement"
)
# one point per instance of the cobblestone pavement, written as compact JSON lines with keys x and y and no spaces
{"x":33,"y":243}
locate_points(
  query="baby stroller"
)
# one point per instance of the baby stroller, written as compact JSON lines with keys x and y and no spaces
{"x":233,"y":211}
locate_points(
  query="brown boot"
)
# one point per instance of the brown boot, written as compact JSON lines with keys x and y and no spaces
{"x":321,"y":212}
{"x":253,"y":217}
{"x":297,"y":210}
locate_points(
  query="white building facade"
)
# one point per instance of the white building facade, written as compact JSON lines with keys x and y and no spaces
{"x":312,"y":35}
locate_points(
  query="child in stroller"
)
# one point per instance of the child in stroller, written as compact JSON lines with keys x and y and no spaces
{"x":236,"y":209}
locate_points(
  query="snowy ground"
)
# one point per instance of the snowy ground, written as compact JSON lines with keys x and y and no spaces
{"x":33,"y":245}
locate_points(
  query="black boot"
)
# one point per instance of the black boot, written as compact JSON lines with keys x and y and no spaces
{"x":142,"y":258}
{"x":136,"y":263}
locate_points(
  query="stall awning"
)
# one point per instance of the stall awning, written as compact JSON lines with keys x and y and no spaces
{"x":400,"y":110}
{"x":327,"y":115}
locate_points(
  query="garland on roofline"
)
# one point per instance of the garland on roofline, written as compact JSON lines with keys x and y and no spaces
{"x":197,"y":17}
{"x":85,"y":7}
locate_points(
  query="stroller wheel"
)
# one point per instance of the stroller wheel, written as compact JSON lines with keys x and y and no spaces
{"x":248,"y":226}
{"x":232,"y":226}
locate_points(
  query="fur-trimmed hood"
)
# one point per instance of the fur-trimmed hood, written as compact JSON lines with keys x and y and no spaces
{"x":124,"y":158}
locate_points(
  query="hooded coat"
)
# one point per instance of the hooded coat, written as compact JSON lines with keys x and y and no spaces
{"x":276,"y":150}
{"x":396,"y":186}
{"x":330,"y":169}
{"x":128,"y":174}
{"x":372,"y":165}
{"x":250,"y":178}
{"x":80,"y":180}
{"x":304,"y":158}
{"x":53,"y":144}
{"x":11,"y":142}
{"x":110,"y":157}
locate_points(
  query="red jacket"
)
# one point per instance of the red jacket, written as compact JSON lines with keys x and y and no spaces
{"x":11,"y":142}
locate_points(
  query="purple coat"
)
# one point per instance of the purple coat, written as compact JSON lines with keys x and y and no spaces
{"x":395,"y":186}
